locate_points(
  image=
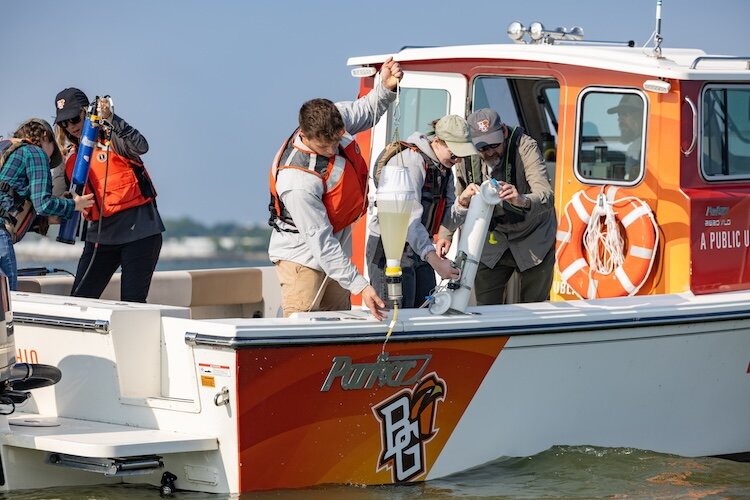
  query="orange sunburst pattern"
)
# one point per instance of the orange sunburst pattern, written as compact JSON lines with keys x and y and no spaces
{"x":309,"y":415}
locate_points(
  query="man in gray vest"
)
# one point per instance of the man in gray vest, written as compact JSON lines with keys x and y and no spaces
{"x":521,"y":236}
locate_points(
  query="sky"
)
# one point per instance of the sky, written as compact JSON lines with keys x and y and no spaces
{"x":215,"y":86}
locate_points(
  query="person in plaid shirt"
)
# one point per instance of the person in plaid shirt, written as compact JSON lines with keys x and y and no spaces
{"x":25,"y":172}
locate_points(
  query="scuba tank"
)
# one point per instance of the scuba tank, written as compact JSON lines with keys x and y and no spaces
{"x":86,"y":147}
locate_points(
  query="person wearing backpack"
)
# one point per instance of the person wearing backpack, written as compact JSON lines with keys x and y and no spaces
{"x":26,"y":189}
{"x":522,"y":230}
{"x":125,"y":227}
{"x":429,"y":161}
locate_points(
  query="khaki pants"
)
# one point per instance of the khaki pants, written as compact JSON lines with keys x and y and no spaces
{"x":300,"y":285}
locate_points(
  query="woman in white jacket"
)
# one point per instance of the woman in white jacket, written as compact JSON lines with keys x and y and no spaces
{"x":429,"y":161}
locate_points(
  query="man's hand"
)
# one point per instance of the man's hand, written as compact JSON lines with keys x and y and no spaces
{"x":442,"y":246}
{"x":443,"y":267}
{"x":509,"y":193}
{"x":374,"y":303}
{"x":391,"y":74}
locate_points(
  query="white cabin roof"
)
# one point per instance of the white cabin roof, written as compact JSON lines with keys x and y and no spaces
{"x":674,"y":63}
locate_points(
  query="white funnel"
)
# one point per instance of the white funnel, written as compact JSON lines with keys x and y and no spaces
{"x":395,"y":198}
{"x":473,"y":236}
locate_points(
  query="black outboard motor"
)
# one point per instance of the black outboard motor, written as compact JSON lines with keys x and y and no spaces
{"x":17,"y":378}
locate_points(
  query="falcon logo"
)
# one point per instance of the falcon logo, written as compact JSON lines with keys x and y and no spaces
{"x":407,"y":423}
{"x":483,"y":125}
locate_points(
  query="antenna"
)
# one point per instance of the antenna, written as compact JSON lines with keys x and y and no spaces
{"x":657,"y":34}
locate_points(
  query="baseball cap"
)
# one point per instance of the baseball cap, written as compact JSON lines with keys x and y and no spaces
{"x":454,"y":131}
{"x":68,"y":103}
{"x":628,"y":102}
{"x":486,"y":127}
{"x":56,"y":157}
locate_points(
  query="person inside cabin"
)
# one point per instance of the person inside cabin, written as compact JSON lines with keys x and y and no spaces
{"x":124,"y":228}
{"x":26,"y":189}
{"x":521,"y":235}
{"x":429,"y":161}
{"x":630,"y":120}
{"x":318,"y":185}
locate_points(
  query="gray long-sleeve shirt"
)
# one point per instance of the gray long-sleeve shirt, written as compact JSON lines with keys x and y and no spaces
{"x":315,"y":245}
{"x":417,"y":235}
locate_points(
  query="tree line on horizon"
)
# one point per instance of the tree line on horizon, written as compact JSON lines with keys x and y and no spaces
{"x":185,"y":226}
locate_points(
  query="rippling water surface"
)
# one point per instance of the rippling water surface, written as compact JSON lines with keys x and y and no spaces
{"x":570,"y":472}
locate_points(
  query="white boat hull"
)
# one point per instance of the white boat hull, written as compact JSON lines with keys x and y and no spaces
{"x":313,"y":401}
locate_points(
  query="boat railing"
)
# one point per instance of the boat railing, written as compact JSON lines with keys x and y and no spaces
{"x":703,"y":59}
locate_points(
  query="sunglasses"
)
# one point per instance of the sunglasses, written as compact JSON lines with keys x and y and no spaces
{"x":454,"y":157}
{"x":487,"y":147}
{"x":72,"y":121}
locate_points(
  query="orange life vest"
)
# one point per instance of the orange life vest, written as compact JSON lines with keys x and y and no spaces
{"x":344,"y":178}
{"x":128,"y":182}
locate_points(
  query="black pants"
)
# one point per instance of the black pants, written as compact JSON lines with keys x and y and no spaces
{"x":489,"y":284}
{"x":137,"y":259}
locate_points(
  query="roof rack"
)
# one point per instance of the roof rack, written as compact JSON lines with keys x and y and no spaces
{"x":701,"y":59}
{"x":538,"y":34}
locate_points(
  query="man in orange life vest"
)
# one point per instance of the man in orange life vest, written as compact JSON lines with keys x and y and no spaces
{"x":318,"y":190}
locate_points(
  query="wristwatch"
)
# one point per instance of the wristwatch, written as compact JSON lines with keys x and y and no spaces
{"x":526,"y":202}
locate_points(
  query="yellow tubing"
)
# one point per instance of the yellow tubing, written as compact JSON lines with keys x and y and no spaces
{"x":391,"y":325}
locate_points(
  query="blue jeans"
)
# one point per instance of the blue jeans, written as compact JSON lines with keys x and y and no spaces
{"x":8,"y":264}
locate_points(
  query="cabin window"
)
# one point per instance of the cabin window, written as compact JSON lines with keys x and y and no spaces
{"x":495,"y":92}
{"x":610,"y":136}
{"x":725,"y":132}
{"x":418,"y":109}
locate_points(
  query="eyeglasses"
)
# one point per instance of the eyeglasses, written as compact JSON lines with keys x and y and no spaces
{"x":72,"y":121}
{"x":487,"y":147}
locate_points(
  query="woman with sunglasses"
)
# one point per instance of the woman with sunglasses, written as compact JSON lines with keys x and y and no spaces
{"x":124,"y":227}
{"x":429,"y":161}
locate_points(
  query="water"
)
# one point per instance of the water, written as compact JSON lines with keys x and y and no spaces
{"x":568,"y":472}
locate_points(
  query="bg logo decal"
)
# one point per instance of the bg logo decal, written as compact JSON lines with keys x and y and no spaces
{"x":407,"y":422}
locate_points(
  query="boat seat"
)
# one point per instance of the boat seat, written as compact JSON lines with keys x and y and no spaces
{"x":209,"y":293}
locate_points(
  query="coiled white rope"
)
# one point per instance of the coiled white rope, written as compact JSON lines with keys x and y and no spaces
{"x":602,"y":241}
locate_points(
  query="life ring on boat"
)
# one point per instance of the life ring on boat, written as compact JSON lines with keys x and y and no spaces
{"x":626,"y":272}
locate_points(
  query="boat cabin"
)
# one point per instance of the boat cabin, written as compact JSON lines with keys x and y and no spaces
{"x":686,"y":156}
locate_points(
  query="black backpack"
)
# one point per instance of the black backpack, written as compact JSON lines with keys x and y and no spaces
{"x":22,"y":216}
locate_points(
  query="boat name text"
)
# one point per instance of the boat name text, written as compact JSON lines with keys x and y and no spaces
{"x":396,"y":371}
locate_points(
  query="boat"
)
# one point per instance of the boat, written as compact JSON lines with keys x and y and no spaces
{"x":205,"y":388}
